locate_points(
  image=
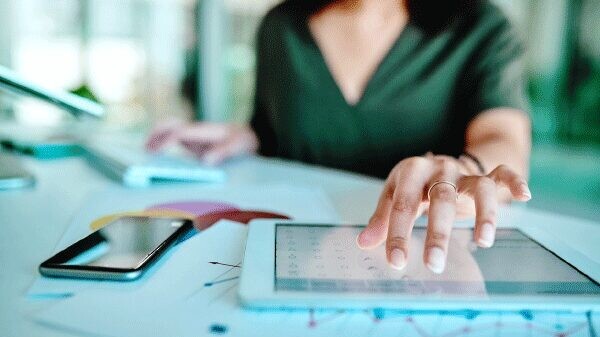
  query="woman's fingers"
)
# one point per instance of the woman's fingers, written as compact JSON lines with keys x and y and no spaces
{"x":191,"y":136}
{"x":505,"y":176}
{"x":483,"y":191}
{"x":199,"y":149}
{"x":486,"y":207}
{"x":403,"y":200}
{"x":211,"y":142}
{"x":218,"y":153}
{"x":408,"y":194}
{"x":205,"y":132}
{"x":442,"y":211}
{"x":398,"y":207}
{"x":162,"y":135}
{"x":376,"y":231}
{"x":465,"y":207}
{"x":401,"y":221}
{"x":240,"y":140}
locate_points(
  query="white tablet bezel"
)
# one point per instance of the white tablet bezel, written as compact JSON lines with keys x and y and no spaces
{"x":257,"y":289}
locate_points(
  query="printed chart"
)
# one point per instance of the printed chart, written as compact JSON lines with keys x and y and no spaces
{"x":403,"y":323}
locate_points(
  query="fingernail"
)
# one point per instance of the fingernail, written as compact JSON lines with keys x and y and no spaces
{"x":397,"y":259}
{"x":363,"y":240}
{"x":525,"y":190}
{"x":359,"y":240}
{"x":436,"y":260}
{"x":486,"y":235}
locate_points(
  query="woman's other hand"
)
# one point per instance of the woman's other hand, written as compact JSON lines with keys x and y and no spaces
{"x":420,"y":184}
{"x":210,"y":142}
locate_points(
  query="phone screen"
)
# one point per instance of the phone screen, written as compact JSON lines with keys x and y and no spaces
{"x":124,"y":243}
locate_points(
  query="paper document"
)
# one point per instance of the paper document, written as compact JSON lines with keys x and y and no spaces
{"x":202,"y":301}
{"x":300,"y":203}
{"x":214,"y":254}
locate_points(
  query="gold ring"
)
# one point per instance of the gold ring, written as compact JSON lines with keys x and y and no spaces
{"x":441,"y":182}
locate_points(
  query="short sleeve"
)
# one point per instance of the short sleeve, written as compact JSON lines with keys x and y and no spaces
{"x":495,"y":77}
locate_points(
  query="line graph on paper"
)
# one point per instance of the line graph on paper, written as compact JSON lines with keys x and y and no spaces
{"x":222,"y":278}
{"x":228,"y":277}
{"x":393,"y":322}
{"x":451,"y":324}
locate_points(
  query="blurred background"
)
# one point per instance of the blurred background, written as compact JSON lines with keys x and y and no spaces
{"x":154,"y":59}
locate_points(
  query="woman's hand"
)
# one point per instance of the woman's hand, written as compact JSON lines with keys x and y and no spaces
{"x":211,"y":142}
{"x":425,"y":183}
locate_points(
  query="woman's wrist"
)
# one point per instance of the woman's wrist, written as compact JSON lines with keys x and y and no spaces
{"x":471,"y":164}
{"x":464,"y":166}
{"x":475,"y":160}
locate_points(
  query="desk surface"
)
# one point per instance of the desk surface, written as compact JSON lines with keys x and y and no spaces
{"x":33,"y":220}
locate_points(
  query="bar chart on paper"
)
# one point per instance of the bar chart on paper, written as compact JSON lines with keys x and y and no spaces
{"x":381,"y":322}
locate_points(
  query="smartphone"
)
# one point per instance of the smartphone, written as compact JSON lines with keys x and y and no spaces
{"x":122,"y":250}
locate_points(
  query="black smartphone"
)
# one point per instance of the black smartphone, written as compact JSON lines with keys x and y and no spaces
{"x":121,"y":251}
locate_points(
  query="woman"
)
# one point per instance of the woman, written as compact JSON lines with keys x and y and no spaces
{"x":427,"y":93}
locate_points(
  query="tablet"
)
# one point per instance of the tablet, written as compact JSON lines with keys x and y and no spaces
{"x":299,"y":265}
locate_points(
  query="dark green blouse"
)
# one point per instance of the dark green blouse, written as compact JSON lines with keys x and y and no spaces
{"x":421,"y":97}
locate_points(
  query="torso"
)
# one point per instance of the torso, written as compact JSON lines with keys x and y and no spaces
{"x":351,"y":101}
{"x":355,"y":39}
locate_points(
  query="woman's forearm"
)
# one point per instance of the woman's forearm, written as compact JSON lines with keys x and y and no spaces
{"x":500,"y":137}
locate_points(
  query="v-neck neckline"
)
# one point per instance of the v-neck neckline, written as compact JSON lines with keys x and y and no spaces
{"x":329,"y":74}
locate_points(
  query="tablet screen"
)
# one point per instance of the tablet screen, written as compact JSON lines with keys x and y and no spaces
{"x":325,"y":258}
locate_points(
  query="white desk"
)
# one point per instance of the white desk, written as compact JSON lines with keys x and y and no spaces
{"x":32,"y":221}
